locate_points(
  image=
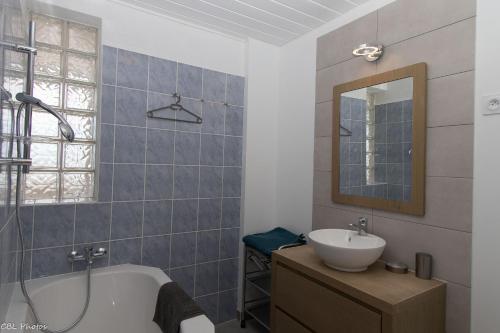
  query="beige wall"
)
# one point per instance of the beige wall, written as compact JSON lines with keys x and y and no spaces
{"x":413,"y":31}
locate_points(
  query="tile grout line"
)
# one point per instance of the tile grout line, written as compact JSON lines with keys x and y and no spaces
{"x":145,"y":163}
{"x":113,"y":171}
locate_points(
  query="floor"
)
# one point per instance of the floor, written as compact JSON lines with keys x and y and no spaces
{"x":233,"y":326}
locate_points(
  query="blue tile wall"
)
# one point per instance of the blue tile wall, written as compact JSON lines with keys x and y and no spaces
{"x":393,"y":141}
{"x":169,"y":192}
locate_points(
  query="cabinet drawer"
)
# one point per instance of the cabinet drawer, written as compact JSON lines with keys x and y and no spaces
{"x":320,"y":308}
{"x":286,"y":324}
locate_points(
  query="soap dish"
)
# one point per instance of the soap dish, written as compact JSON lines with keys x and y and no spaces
{"x":396,"y":267}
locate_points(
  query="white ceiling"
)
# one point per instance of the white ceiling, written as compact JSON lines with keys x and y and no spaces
{"x":272,"y":21}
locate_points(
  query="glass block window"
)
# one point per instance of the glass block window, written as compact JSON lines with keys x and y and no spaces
{"x":65,"y":78}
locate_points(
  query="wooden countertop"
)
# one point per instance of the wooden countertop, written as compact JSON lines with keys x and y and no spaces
{"x":377,"y":287}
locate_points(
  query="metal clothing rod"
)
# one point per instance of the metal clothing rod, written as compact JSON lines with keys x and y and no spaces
{"x":176,"y":107}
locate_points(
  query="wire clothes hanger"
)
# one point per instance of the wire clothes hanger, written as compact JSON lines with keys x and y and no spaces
{"x":175,"y":107}
{"x":347,"y":131}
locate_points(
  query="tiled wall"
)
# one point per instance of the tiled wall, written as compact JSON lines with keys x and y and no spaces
{"x":392,"y":135}
{"x":169,"y":192}
{"x":413,"y":31}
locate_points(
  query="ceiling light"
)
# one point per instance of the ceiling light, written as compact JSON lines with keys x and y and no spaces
{"x":370,"y":52}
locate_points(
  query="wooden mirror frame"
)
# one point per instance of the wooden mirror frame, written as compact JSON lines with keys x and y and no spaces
{"x":416,"y":206}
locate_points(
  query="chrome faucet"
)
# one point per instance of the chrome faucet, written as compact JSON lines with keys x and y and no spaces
{"x":361,"y":227}
{"x":89,"y":254}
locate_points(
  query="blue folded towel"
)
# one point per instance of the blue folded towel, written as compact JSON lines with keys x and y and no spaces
{"x":267,"y":242}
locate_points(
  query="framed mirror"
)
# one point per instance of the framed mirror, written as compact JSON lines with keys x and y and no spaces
{"x":378,"y":141}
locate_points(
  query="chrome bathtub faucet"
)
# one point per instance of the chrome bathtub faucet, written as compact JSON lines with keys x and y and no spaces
{"x":89,"y":254}
{"x":361,"y":227}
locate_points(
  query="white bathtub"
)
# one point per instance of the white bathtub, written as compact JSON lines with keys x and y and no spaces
{"x":122,"y":300}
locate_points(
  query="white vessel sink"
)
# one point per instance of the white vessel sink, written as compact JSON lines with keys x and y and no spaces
{"x":346,"y":250}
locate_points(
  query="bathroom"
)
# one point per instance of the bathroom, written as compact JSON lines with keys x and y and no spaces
{"x":167,"y":131}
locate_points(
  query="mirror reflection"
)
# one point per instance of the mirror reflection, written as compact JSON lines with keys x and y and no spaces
{"x":376,"y":141}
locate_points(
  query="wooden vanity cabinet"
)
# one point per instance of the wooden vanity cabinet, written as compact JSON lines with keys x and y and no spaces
{"x":307,"y":296}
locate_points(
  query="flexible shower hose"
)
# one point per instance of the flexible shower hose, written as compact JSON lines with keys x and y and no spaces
{"x":21,"y":241}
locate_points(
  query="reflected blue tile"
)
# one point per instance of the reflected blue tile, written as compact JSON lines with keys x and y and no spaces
{"x":206,"y":280}
{"x":228,"y":274}
{"x":189,"y":82}
{"x":214,"y":86}
{"x":381,"y":114}
{"x":344,"y":175}
{"x":157,"y":100}
{"x":394,"y":153}
{"x":185,"y":215}
{"x":109,"y":55}
{"x":108,"y":104}
{"x":130,"y":107}
{"x":210,"y":182}
{"x":381,"y":133}
{"x":130,"y":144}
{"x":355,"y":190}
{"x":127,"y":220}
{"x":208,"y":246}
{"x":92,"y":222}
{"x":407,"y":193}
{"x":408,"y":110}
{"x":233,"y":149}
{"x":407,"y":174}
{"x":132,"y":70}
{"x":186,"y":182}
{"x":355,"y":175}
{"x":128,"y":182}
{"x":380,"y":173}
{"x":50,"y":261}
{"x":229,"y":243}
{"x":232,"y":182}
{"x":184,"y":276}
{"x":107,"y":142}
{"x":159,"y":182}
{"x":160,"y":147}
{"x":53,"y":225}
{"x":355,"y":153}
{"x":231,"y":212}
{"x":345,"y":108}
{"x":157,"y":217}
{"x":212,"y":149}
{"x":395,"y":192}
{"x":358,"y":109}
{"x":156,"y":251}
{"x":213,"y":118}
{"x":227,"y":305}
{"x":395,"y":132}
{"x":208,"y":304}
{"x":183,"y":249}
{"x":394,"y":174}
{"x":394,"y":112}
{"x":162,"y":75}
{"x":234,"y":121}
{"x":209,"y":216}
{"x":380,"y":153}
{"x":187,"y":148}
{"x":358,"y":131}
{"x":105,"y":182}
{"x":407,"y":132}
{"x":127,"y":251}
{"x":235,"y":90}
{"x":344,"y":150}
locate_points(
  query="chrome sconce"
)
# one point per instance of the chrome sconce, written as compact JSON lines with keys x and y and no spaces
{"x":369,"y":51}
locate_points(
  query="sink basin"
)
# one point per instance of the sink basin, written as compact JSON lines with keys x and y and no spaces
{"x":345,"y":250}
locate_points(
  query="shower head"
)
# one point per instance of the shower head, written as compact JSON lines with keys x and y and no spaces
{"x":64,"y":126}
